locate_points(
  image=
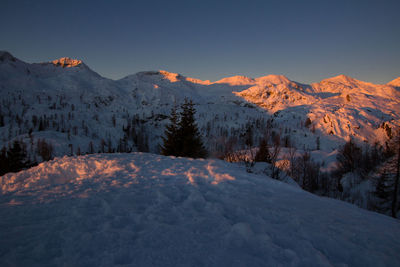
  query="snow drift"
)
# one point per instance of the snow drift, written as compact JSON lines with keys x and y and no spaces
{"x":148,"y":210}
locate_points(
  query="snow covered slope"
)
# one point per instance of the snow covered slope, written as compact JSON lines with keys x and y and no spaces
{"x":147,"y":210}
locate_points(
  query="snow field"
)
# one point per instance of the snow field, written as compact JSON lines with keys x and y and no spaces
{"x":148,"y":210}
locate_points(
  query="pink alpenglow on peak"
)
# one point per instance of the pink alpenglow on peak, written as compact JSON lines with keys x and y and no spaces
{"x":395,"y":82}
{"x":344,"y":79}
{"x":273,"y":79}
{"x":172,"y":77}
{"x":243,"y":80}
{"x":67,"y":62}
{"x":198,"y":81}
{"x":237,"y":80}
{"x":175,"y":77}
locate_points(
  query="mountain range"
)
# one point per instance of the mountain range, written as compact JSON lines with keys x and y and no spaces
{"x":73,"y":107}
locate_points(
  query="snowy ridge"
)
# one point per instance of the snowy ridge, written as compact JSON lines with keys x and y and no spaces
{"x":5,"y":56}
{"x":67,"y":62}
{"x":237,"y":80}
{"x":148,"y":210}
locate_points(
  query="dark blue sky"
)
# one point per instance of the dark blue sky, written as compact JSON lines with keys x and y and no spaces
{"x":304,"y":40}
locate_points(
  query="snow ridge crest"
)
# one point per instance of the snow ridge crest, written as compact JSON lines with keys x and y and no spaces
{"x":6,"y":56}
{"x":67,"y":62}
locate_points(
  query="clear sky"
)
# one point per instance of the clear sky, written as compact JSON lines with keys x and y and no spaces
{"x":305,"y":40}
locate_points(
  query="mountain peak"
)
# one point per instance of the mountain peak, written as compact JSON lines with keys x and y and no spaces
{"x":274,"y":79}
{"x":395,"y":82}
{"x":67,"y":62}
{"x":6,"y":56}
{"x":172,"y":77}
{"x":237,"y":80}
{"x":340,"y":79}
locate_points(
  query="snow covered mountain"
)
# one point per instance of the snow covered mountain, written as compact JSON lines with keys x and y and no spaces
{"x":340,"y":106}
{"x":78,"y":111}
{"x":141,"y":209}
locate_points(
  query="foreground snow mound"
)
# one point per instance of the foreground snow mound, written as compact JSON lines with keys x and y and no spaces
{"x":148,"y":210}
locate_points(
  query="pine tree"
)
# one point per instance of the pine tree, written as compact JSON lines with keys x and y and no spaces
{"x":387,"y":185}
{"x":308,"y":122}
{"x":382,"y":193}
{"x":397,"y":176}
{"x":318,"y":141}
{"x":171,"y":139}
{"x":263,"y":154}
{"x":1,"y":120}
{"x":4,"y":166}
{"x":45,"y":150}
{"x":349,"y":157}
{"x":188,"y":133}
{"x":182,"y":137}
{"x":17,"y":157}
{"x":91,"y":148}
{"x":249,"y":136}
{"x":382,"y":187}
{"x":41,"y":125}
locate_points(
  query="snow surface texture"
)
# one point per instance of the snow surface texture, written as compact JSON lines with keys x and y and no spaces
{"x":148,"y":210}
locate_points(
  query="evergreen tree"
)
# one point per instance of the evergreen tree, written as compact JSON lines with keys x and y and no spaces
{"x":308,"y":122}
{"x":91,"y":148}
{"x":171,"y":139}
{"x":349,"y":157}
{"x":263,"y":154}
{"x":318,"y":141}
{"x":249,"y":136}
{"x":1,"y":120}
{"x":383,"y":187}
{"x":45,"y":150}
{"x":188,"y":133}
{"x":383,"y":193}
{"x":4,"y":166}
{"x":182,"y":137}
{"x":17,"y":157}
{"x":41,"y":125}
{"x":397,"y":176}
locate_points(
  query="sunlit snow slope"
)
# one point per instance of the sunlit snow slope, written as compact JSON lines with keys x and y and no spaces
{"x":148,"y":210}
